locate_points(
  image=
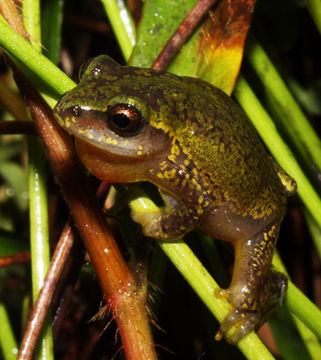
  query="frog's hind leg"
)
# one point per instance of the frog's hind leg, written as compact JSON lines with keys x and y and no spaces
{"x":255,"y":290}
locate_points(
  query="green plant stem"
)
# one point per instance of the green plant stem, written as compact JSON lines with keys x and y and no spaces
{"x":304,"y":309}
{"x":305,"y":324}
{"x":122,"y":24}
{"x":36,"y":63}
{"x":38,"y":209}
{"x":314,"y":7}
{"x":39,"y":234}
{"x":31,"y":20}
{"x":289,"y":113}
{"x":8,"y":344}
{"x":51,"y":19}
{"x":268,"y":132}
{"x":311,"y":341}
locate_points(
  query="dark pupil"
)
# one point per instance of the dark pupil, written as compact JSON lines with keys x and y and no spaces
{"x":121,"y":120}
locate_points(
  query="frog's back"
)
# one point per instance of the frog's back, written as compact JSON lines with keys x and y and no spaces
{"x":224,"y":146}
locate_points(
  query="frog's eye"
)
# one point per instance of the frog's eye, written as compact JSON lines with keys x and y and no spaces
{"x":125,"y":119}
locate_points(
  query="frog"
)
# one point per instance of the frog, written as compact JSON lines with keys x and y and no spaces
{"x":195,"y":144}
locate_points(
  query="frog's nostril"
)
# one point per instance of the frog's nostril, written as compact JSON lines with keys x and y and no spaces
{"x":76,"y":110}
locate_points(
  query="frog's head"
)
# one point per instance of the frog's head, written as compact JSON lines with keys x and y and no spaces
{"x":113,"y":113}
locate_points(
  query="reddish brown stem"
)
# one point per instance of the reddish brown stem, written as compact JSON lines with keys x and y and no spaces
{"x":16,"y":127}
{"x":15,"y":259}
{"x":112,"y":271}
{"x":44,"y":299}
{"x":182,"y":33}
{"x":114,"y":276}
{"x":13,"y":17}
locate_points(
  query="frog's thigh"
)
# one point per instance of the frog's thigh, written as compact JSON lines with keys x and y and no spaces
{"x":255,"y":290}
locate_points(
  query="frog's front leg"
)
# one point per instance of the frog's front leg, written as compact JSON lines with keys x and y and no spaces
{"x":255,"y":290}
{"x":169,"y":223}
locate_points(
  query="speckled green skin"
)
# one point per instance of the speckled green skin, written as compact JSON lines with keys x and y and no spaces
{"x":200,"y":150}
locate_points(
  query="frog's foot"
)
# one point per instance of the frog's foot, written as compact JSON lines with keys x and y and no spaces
{"x":237,"y":323}
{"x":240,"y":322}
{"x":249,"y":314}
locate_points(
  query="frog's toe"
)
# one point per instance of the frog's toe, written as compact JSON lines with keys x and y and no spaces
{"x":240,"y":323}
{"x":150,"y":222}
